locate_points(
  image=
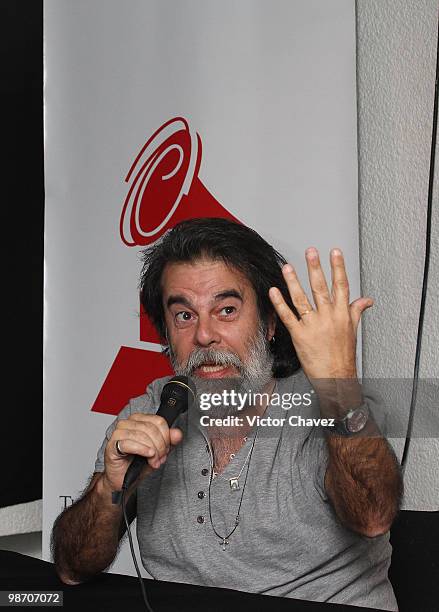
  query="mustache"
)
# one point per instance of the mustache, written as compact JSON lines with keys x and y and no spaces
{"x":200,"y":357}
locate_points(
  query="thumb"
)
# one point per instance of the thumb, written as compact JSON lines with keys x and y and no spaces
{"x":176,"y":436}
{"x":357,"y":308}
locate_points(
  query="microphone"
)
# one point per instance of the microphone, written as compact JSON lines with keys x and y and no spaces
{"x":174,"y":400}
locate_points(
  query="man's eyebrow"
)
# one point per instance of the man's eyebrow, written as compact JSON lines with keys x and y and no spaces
{"x":228,"y":293}
{"x":178,"y":299}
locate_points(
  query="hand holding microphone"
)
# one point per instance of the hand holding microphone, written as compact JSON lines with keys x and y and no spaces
{"x":149,"y":437}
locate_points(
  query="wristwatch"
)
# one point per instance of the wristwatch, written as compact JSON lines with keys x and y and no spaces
{"x":354,"y":422}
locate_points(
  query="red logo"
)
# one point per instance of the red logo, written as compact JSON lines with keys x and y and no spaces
{"x":164,"y":185}
{"x":164,"y":189}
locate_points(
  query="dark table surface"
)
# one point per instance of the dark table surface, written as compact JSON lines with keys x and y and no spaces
{"x":115,"y":592}
{"x":414,"y":573}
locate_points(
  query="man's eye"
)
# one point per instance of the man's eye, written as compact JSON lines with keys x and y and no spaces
{"x":228,"y":310}
{"x":183,"y":316}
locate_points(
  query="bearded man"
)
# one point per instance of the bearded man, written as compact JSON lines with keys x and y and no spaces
{"x":300,"y":512}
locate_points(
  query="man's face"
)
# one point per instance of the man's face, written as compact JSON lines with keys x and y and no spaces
{"x":213,"y":324}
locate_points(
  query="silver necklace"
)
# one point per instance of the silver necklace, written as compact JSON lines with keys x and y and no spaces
{"x":234,"y":481}
{"x":224,"y":540}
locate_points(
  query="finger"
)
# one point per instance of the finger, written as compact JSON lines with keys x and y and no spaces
{"x":155,"y":425}
{"x":176,"y":436}
{"x":129,"y":446}
{"x":317,"y":278}
{"x":284,"y":312}
{"x":357,"y":308}
{"x":147,"y":434}
{"x":340,"y":283}
{"x":172,"y":436}
{"x":298,"y":296}
{"x":156,"y":419}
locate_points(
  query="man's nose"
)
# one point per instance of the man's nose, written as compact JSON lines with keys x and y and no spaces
{"x":206,"y":332}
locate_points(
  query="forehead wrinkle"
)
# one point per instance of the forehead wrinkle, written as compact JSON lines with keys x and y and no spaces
{"x":195,"y":294}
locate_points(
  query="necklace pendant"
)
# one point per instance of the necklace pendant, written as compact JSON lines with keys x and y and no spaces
{"x":224,"y":543}
{"x":234,"y":483}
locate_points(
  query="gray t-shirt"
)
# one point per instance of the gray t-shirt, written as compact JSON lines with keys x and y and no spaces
{"x":289,"y":541}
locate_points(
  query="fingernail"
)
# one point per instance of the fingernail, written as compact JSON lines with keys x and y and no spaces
{"x":288,"y":268}
{"x":337,"y":252}
{"x":311,"y":252}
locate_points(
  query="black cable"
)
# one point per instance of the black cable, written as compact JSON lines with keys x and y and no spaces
{"x":133,"y":553}
{"x":426,"y":268}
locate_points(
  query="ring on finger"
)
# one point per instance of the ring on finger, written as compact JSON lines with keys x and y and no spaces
{"x":305,"y":312}
{"x":119,"y":451}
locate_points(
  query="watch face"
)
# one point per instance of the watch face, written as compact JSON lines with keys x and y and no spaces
{"x":358,"y":420}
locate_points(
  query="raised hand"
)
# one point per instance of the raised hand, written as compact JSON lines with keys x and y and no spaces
{"x":325,"y":335}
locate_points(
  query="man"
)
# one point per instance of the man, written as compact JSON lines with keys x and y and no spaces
{"x":300,"y":512}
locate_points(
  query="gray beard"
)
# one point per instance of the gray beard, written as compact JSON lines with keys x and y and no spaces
{"x":255,"y":373}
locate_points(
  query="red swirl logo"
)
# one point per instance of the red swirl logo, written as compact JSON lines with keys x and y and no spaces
{"x":164,"y":185}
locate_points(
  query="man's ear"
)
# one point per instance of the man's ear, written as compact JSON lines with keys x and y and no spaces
{"x":271,"y":326}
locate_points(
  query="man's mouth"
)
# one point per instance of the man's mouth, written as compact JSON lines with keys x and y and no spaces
{"x":212,"y":370}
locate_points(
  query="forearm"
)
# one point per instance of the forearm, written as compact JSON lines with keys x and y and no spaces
{"x":363,"y":481}
{"x":85,"y":537}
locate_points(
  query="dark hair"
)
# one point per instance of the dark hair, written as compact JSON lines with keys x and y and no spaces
{"x":237,"y":246}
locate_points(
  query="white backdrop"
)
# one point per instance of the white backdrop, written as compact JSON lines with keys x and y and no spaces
{"x":270,"y":88}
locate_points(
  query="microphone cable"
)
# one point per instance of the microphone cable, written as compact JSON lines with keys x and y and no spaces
{"x":133,"y":553}
{"x":174,"y":401}
{"x":426,"y":269}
